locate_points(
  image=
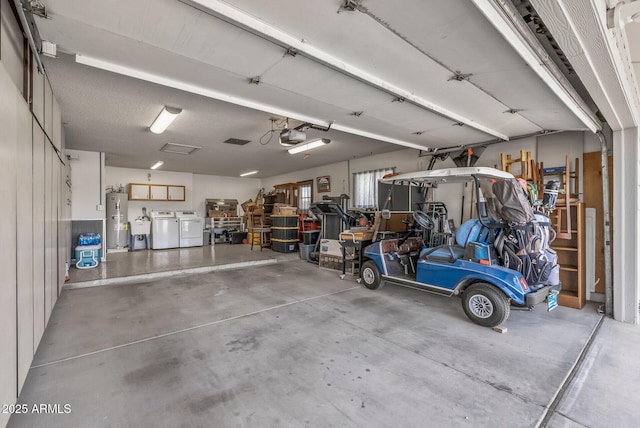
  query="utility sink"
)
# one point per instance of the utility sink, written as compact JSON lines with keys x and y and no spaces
{"x":140,"y":227}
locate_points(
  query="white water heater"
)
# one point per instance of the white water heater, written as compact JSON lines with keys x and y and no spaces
{"x":117,"y":221}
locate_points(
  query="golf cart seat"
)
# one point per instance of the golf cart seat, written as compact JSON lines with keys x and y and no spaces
{"x":443,"y":253}
{"x":470,"y":231}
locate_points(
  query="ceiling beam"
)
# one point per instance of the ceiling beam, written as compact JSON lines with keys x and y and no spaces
{"x":210,"y":93}
{"x":268,"y":32}
{"x":506,"y":19}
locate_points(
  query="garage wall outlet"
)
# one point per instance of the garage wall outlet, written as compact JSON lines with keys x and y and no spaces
{"x":99,"y":207}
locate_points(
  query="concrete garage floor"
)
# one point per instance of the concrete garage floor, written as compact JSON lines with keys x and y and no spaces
{"x":288,"y":344}
{"x":144,"y":265}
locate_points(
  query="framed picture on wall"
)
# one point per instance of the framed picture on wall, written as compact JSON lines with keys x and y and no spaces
{"x":324,"y":184}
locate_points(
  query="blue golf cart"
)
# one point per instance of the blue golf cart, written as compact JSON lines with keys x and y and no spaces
{"x":498,"y":259}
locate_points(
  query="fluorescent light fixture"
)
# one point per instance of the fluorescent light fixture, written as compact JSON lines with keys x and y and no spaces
{"x":164,"y":119}
{"x":248,"y":173}
{"x":157,"y":165}
{"x":313,"y":144}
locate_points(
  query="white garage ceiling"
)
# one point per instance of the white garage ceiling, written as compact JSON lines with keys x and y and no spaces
{"x":382,"y":74}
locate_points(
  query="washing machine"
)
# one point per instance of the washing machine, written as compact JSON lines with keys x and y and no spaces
{"x":191,"y":226}
{"x":165,"y":230}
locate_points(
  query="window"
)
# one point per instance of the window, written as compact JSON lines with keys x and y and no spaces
{"x":306,"y":196}
{"x":365,"y":187}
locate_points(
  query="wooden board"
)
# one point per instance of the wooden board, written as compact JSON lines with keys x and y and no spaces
{"x":592,"y":179}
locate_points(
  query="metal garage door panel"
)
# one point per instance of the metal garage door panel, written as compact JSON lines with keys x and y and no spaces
{"x":24,"y":241}
{"x":48,"y":109}
{"x":55,"y":201}
{"x":37,"y":103}
{"x":57,"y":125}
{"x":279,"y":94}
{"x":193,"y":34}
{"x":8,"y":335}
{"x":538,"y":104}
{"x":121,"y":14}
{"x":306,"y":77}
{"x":209,"y":41}
{"x":411,"y":117}
{"x":453,"y":136}
{"x":272,"y":98}
{"x":311,"y":80}
{"x":11,"y":42}
{"x":431,"y":41}
{"x":38,"y":234}
{"x":554,"y":119}
{"x":48,"y":196}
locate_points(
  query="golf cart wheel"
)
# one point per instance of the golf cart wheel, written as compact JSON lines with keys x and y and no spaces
{"x":371,"y":275}
{"x":485,"y":305}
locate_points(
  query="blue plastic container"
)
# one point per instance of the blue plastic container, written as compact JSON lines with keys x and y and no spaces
{"x":87,"y":256}
{"x":89,"y":239}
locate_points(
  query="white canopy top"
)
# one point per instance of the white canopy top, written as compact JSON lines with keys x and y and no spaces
{"x":449,"y":175}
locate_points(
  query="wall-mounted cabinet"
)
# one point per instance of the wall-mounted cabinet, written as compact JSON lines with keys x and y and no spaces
{"x":175,"y":193}
{"x":138,"y":192}
{"x":156,"y":192}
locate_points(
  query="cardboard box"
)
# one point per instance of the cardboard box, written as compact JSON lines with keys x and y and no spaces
{"x":332,"y":247}
{"x":216,"y":214}
{"x":357,"y":234}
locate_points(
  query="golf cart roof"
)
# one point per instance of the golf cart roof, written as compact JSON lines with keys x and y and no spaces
{"x":448,"y":175}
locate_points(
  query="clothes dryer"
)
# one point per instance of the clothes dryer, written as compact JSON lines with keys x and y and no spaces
{"x":190,"y":227}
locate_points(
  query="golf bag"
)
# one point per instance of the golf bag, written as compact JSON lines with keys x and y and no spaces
{"x":523,"y":242}
{"x":526,"y":248}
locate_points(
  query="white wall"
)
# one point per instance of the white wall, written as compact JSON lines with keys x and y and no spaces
{"x":197,"y":188}
{"x":121,"y":177}
{"x":404,"y":160}
{"x":550,"y":149}
{"x":86,"y":190}
{"x":337,"y":173}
